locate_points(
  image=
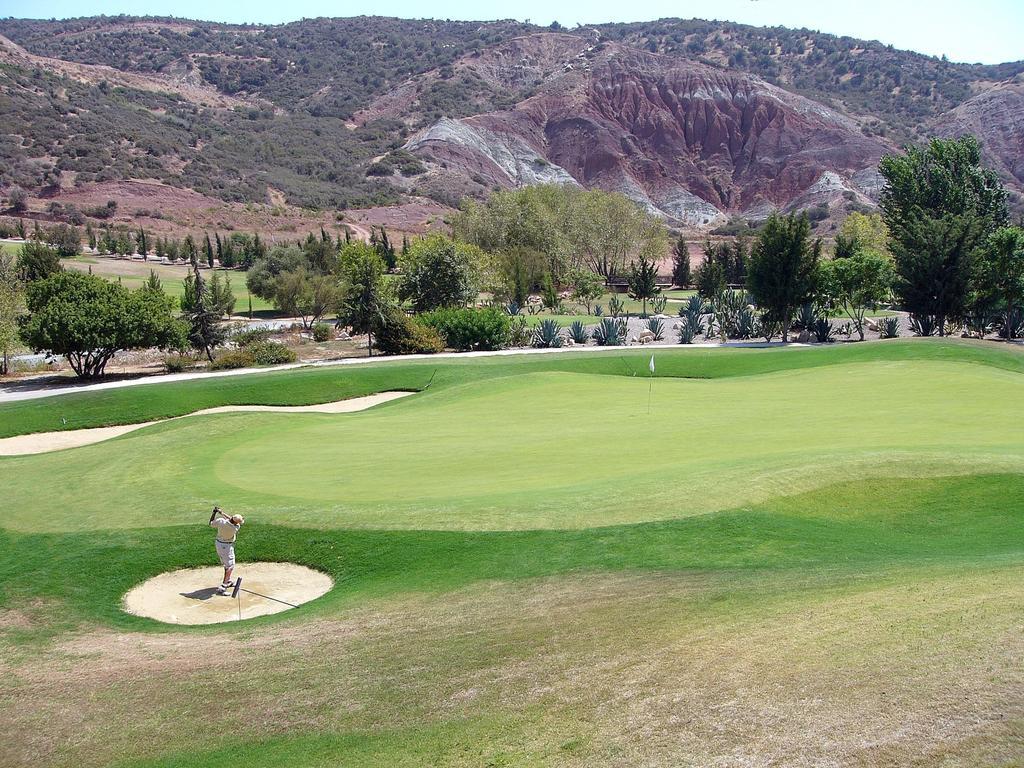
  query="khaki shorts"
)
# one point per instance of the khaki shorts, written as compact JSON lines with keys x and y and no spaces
{"x":226,"y":553}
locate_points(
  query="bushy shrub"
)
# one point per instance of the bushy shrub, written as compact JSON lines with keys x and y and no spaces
{"x":889,"y":328}
{"x":519,"y":333}
{"x":616,"y":306}
{"x":249,"y":336}
{"x":232,"y":358}
{"x":610,"y":333}
{"x":658,"y":304}
{"x":270,"y":353}
{"x":578,"y":332}
{"x":403,"y":335}
{"x":254,"y":354}
{"x":321,"y":332}
{"x":547,"y":335}
{"x":470,"y":329}
{"x":176,"y":363}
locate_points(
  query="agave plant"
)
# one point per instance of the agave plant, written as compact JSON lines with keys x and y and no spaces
{"x":805,"y":318}
{"x":823,"y":330}
{"x":690,"y":327}
{"x":685,"y":333}
{"x":598,"y":310}
{"x":745,"y":323}
{"x":547,"y":334}
{"x":657,"y":327}
{"x":513,"y":309}
{"x":694,"y":306}
{"x":658,"y":304}
{"x":922,"y":325}
{"x":889,"y":328}
{"x":578,"y":332}
{"x":611,"y":332}
{"x":616,"y":306}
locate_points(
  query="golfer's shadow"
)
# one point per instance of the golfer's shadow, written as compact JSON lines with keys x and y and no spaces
{"x":200,"y":594}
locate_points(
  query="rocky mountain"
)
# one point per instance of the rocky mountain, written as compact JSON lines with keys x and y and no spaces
{"x":699,"y":121}
{"x":996,"y":117}
{"x":693,"y":143}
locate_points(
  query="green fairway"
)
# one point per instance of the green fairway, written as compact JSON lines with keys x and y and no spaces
{"x":530,"y":569}
{"x":542,"y":450}
{"x":133,"y":274}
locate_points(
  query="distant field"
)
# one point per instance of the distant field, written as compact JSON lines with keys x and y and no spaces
{"x":132,"y":274}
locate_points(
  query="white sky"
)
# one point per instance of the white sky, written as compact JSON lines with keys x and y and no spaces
{"x":989,"y":31}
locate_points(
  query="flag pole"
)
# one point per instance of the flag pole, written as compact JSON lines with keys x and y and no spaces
{"x":650,"y":385}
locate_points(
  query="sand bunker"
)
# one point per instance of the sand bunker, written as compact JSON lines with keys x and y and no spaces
{"x":44,"y":442}
{"x":190,"y":596}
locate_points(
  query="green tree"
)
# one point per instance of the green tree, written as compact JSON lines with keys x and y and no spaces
{"x":384,"y":248}
{"x":142,"y":243}
{"x":550,"y":298}
{"x":943,"y":179}
{"x":307,"y":295}
{"x":856,"y":282}
{"x":783,"y":268}
{"x":643,"y":281}
{"x":862,"y":231}
{"x":940,"y":205}
{"x":586,"y":287}
{"x":17,"y":198}
{"x":1002,"y":272}
{"x":440,"y":272}
{"x":90,"y":236}
{"x":208,"y":251}
{"x":88,"y":320}
{"x":188,"y":251}
{"x":261,"y":278}
{"x":12,"y":306}
{"x":153,"y":282}
{"x":222,"y":298}
{"x":206,"y":332}
{"x":681,"y":273}
{"x":65,"y":239}
{"x":517,"y":272}
{"x":709,"y":279}
{"x":935,"y":258}
{"x":37,"y":261}
{"x":366,"y":298}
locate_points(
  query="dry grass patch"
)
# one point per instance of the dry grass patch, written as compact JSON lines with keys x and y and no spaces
{"x":703,"y":670}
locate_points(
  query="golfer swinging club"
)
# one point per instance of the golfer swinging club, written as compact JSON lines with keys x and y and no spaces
{"x":227,"y":529}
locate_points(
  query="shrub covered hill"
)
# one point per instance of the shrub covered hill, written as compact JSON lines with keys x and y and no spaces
{"x":701,"y":121}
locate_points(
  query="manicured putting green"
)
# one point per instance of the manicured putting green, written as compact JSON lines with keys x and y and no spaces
{"x":543,"y":450}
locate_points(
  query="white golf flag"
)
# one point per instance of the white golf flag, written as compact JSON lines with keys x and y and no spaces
{"x":651,"y":366}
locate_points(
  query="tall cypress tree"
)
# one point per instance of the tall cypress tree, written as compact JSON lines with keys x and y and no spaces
{"x":643,"y":280}
{"x":783,"y":266}
{"x":681,"y":272}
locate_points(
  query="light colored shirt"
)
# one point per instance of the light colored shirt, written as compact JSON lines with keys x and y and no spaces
{"x":226,"y":530}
